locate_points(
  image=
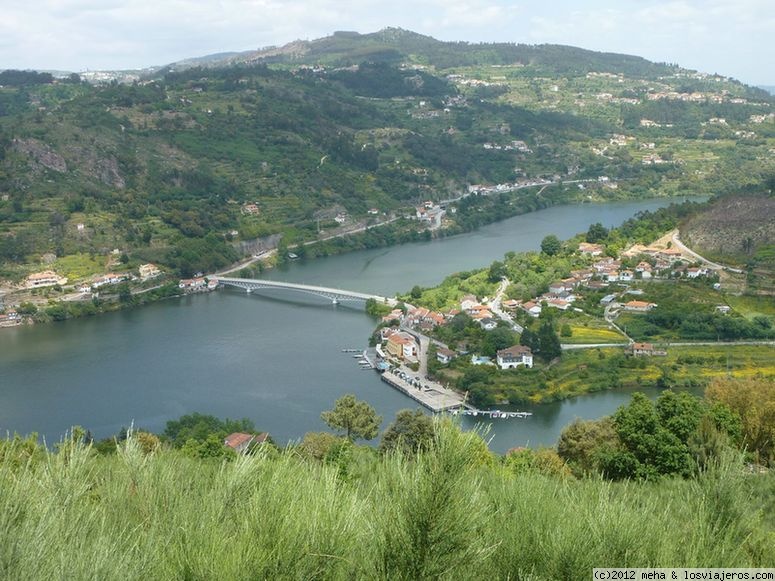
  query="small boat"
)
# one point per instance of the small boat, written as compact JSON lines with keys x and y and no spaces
{"x":293,"y":256}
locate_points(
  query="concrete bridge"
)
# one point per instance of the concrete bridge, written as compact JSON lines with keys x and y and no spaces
{"x":335,"y":295}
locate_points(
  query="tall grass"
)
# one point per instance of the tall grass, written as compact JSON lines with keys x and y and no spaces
{"x":452,"y":513}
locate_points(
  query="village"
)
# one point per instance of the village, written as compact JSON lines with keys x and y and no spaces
{"x":39,"y":291}
{"x":411,"y":339}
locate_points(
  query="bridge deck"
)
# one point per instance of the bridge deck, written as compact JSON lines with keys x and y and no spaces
{"x":250,"y":283}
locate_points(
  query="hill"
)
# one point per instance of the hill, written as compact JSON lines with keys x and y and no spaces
{"x":738,"y":229}
{"x":195,"y":166}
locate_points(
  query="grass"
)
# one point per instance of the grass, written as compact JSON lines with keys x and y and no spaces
{"x":752,"y":306}
{"x":79,"y":266}
{"x":455,"y":512}
{"x":588,"y":370}
{"x":581,"y":335}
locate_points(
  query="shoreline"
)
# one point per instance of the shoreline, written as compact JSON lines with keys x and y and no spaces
{"x":265,"y":257}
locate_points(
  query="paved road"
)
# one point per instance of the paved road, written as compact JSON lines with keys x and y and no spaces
{"x":686,"y":250}
{"x":570,"y":347}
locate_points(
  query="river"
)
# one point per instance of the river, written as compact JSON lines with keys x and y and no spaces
{"x":276,"y":359}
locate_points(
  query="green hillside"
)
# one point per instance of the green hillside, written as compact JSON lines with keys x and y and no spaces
{"x":199,"y":166}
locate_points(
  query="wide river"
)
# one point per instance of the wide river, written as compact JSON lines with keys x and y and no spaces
{"x":274,"y":359}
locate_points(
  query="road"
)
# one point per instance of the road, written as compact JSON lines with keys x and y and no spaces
{"x":609,"y":316}
{"x":495,"y":306}
{"x":270,"y":253}
{"x":570,"y":347}
{"x":686,"y":250}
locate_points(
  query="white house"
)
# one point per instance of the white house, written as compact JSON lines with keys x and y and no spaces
{"x":515,"y":356}
{"x":444,"y":355}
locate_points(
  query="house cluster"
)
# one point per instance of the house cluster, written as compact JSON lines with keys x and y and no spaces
{"x":695,"y":97}
{"x":561,"y":294}
{"x":515,"y":145}
{"x":429,"y":212}
{"x":10,"y":318}
{"x":479,"y":312}
{"x":758,"y":119}
{"x":665,"y":260}
{"x":198,"y":284}
{"x":482,"y":190}
{"x":105,"y":280}
{"x":43,"y":279}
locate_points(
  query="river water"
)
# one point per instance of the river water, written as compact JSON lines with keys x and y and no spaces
{"x":274,"y":358}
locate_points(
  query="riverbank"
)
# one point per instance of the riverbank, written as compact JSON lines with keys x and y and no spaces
{"x":625,"y":288}
{"x":273,"y":357}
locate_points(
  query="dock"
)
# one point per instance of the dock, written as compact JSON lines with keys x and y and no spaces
{"x":434,"y":397}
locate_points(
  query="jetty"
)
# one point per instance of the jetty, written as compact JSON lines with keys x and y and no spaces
{"x":428,"y":394}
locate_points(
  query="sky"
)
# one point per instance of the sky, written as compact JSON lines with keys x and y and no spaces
{"x":731,"y":37}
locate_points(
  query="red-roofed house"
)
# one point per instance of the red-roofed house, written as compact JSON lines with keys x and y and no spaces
{"x":639,"y":306}
{"x":240,"y":442}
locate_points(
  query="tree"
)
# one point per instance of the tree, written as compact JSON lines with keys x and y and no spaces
{"x":753,"y":401}
{"x":551,"y":245}
{"x":596,"y":233}
{"x":409,"y":433}
{"x":199,"y":427}
{"x":416,"y":292}
{"x":549,"y":341}
{"x":357,"y":419}
{"x":530,"y":339}
{"x":581,"y":441}
{"x":497,"y":271}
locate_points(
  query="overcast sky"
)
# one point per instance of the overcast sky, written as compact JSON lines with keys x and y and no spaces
{"x":730,"y":37}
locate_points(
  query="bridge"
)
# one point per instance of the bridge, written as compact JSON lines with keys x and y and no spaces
{"x":335,"y":295}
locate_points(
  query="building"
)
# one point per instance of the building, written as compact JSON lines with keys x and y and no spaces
{"x":723,"y":309}
{"x":110,"y":278}
{"x":192,"y":284}
{"x":645,"y":270}
{"x":402,"y":345}
{"x":643,"y":350}
{"x":607,"y":299}
{"x":556,"y":303}
{"x":444,"y":355}
{"x":240,"y":442}
{"x":694,"y":272}
{"x":639,"y":306}
{"x":45,"y":278}
{"x":590,"y":249}
{"x":468,"y":301}
{"x":488,"y":323}
{"x":149,"y":271}
{"x":514,"y":357}
{"x":531,"y":308}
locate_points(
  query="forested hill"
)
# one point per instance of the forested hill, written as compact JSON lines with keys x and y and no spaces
{"x":395,"y":45}
{"x":187,"y":168}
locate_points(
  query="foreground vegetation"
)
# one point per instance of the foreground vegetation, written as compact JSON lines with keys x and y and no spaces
{"x":450,"y":512}
{"x":676,"y":482}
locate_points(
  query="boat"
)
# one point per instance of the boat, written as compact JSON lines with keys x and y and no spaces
{"x":293,"y":256}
